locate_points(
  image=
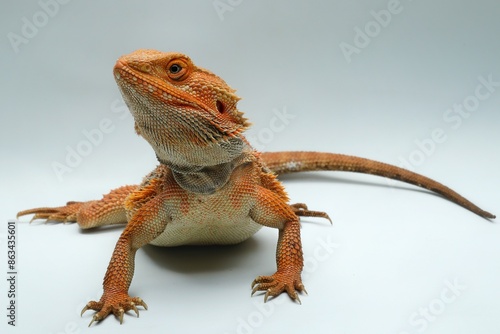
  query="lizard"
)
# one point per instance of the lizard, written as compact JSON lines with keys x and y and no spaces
{"x":211,"y":186}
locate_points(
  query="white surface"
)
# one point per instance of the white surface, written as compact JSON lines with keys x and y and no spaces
{"x":395,"y":248}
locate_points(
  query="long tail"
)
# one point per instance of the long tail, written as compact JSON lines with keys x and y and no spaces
{"x":290,"y":162}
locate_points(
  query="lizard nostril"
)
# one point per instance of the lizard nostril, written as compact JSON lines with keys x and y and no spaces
{"x":219,"y":106}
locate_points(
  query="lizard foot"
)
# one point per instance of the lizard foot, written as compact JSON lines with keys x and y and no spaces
{"x":278,"y":283}
{"x":62,"y":214}
{"x":300,"y":209}
{"x":114,"y":302}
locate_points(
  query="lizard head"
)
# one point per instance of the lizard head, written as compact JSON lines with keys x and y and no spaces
{"x":186,"y":113}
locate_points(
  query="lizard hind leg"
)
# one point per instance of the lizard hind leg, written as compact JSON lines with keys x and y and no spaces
{"x":107,"y":211}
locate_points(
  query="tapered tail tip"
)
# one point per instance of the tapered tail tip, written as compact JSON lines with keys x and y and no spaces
{"x":488,"y":215}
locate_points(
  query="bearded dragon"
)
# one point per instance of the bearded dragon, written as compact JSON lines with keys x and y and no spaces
{"x":211,"y":186}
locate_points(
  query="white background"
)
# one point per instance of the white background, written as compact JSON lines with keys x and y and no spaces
{"x":395,"y":247}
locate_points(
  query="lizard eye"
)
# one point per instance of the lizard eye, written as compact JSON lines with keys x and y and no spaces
{"x":177,"y":69}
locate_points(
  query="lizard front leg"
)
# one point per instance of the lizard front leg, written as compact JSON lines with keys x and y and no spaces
{"x":272,"y":210}
{"x":147,"y":223}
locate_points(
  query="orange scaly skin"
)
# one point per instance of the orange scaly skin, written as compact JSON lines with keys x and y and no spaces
{"x":211,"y":186}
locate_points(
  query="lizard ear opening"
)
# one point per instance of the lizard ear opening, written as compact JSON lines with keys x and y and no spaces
{"x":220,"y":106}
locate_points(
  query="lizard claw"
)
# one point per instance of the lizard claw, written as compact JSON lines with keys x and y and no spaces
{"x":120,"y":315}
{"x":85,"y":309}
{"x":134,"y":308}
{"x":94,"y":318}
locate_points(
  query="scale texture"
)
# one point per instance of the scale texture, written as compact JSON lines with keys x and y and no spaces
{"x":211,"y":186}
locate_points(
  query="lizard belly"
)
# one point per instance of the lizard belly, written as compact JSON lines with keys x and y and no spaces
{"x":221,"y":231}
